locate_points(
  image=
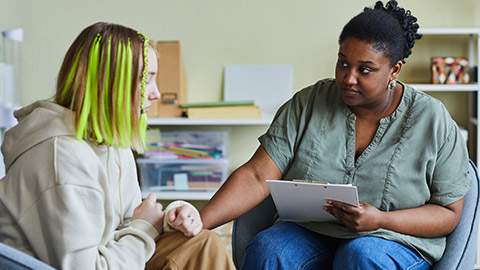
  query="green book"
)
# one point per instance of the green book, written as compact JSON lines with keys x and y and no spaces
{"x":218,"y":104}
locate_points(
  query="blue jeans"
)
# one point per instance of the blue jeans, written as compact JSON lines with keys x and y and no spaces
{"x":287,"y":245}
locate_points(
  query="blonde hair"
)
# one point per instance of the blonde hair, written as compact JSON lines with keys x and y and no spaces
{"x":99,"y":80}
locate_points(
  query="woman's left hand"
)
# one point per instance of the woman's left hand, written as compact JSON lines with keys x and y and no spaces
{"x":185,"y":219}
{"x":364,"y":217}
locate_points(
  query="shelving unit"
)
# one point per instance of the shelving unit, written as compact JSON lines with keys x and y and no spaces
{"x":185,"y":122}
{"x":473,"y":35}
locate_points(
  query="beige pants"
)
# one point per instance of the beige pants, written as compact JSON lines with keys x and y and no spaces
{"x":204,"y":251}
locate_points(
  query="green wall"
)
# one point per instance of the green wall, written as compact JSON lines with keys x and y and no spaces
{"x":213,"y":33}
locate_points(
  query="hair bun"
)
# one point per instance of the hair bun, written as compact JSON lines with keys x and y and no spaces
{"x":407,"y":22}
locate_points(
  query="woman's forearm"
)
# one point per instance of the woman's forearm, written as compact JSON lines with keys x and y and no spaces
{"x":430,"y":220}
{"x":245,"y":188}
{"x":239,"y":194}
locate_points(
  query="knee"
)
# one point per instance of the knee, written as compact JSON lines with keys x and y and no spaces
{"x":280,"y":238}
{"x":359,"y":253}
{"x":355,"y":247}
{"x":210,"y":237}
{"x":268,"y":250}
{"x":261,"y":253}
{"x":207,"y":234}
{"x":262,"y":243}
{"x":376,"y":253}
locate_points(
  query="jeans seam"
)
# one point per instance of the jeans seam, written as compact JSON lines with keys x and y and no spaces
{"x":415,"y":265}
{"x":305,"y":263}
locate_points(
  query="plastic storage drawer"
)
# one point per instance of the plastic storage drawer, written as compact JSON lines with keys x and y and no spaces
{"x":182,"y":175}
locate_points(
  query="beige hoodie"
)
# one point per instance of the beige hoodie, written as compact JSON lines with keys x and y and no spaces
{"x":69,"y":202}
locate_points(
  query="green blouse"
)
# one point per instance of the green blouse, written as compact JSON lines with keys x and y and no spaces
{"x":417,"y":156}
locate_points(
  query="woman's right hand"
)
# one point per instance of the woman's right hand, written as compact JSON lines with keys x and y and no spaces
{"x":151,"y":211}
{"x":363,"y":217}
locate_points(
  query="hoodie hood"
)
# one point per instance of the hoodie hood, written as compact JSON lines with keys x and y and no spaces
{"x":37,"y":122}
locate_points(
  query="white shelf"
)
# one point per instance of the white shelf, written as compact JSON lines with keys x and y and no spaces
{"x":182,"y":195}
{"x":446,"y":87}
{"x":474,"y":57}
{"x":473,"y":35}
{"x":182,"y":121}
{"x":449,"y":31}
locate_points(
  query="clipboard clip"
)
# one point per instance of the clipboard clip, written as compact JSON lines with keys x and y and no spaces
{"x":309,"y":181}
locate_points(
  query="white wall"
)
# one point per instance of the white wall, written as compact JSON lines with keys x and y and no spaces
{"x":213,"y":33}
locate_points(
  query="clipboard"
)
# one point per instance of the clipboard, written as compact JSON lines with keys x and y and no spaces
{"x":303,"y":201}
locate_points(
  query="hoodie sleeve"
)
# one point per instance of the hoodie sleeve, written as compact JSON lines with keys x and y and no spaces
{"x":77,"y":222}
{"x":74,"y":233}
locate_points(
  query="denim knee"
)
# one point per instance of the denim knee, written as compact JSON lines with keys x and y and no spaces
{"x":376,"y":253}
{"x":264,"y":245}
{"x":261,"y":253}
{"x":289,"y":246}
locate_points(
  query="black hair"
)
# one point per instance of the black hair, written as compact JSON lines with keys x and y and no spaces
{"x":388,"y":28}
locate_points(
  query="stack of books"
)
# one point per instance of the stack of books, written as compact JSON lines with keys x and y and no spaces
{"x":222,"y":109}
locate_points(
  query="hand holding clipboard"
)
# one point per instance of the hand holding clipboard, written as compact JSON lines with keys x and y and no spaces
{"x":304,"y":201}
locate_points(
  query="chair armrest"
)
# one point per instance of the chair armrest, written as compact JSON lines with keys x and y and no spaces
{"x":13,"y":259}
{"x":248,"y":225}
{"x":462,"y":242}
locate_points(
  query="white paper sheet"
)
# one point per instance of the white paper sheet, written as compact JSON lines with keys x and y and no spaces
{"x":269,"y":86}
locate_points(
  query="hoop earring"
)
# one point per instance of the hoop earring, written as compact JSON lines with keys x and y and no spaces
{"x":391,"y":85}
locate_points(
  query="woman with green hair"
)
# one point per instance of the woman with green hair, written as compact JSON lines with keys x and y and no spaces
{"x":70,"y":196}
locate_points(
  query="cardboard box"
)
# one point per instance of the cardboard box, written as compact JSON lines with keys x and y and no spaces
{"x":171,"y":80}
